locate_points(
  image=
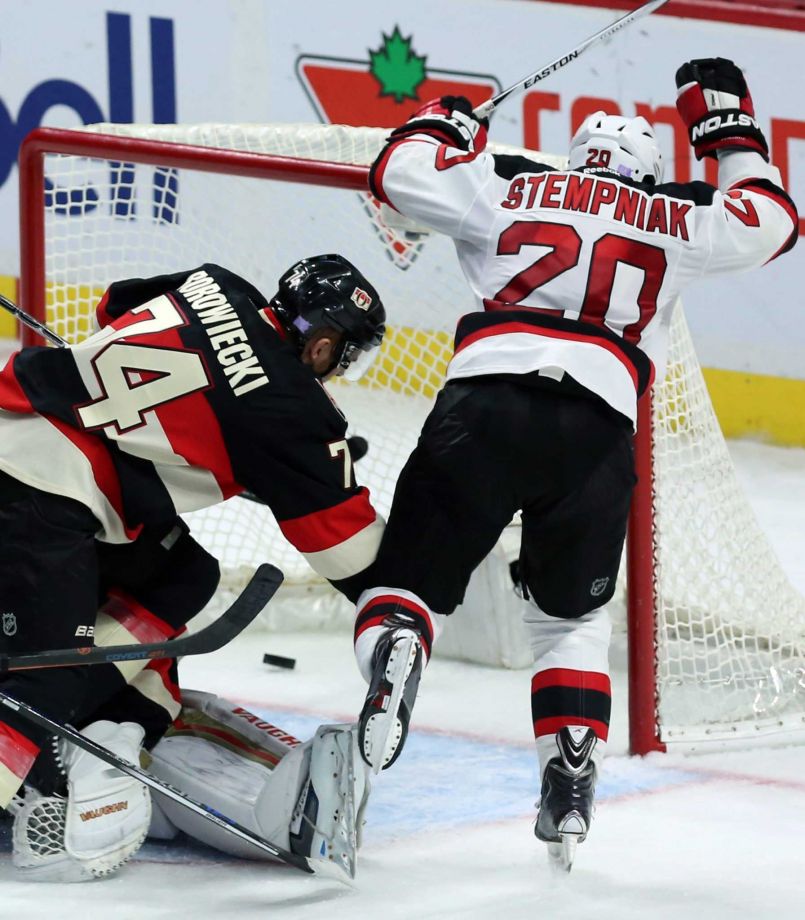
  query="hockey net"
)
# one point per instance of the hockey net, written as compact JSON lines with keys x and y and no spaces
{"x":717,"y":634}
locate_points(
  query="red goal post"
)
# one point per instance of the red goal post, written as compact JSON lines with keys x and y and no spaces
{"x":708,"y":659}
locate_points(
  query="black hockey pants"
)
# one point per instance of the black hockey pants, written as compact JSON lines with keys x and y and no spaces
{"x":54,"y":576}
{"x":493,"y":446}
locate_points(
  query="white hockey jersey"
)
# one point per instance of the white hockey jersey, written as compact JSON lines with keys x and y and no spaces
{"x":577,"y":273}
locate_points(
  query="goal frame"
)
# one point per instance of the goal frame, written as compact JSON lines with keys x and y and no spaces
{"x":644,"y":729}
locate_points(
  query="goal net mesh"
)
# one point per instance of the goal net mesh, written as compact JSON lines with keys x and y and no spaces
{"x":730,"y":629}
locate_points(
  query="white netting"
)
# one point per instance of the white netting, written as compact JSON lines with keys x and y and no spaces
{"x":731,"y":631}
{"x":731,"y":627}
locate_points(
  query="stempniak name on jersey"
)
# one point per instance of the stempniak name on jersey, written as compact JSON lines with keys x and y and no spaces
{"x":227,"y":335}
{"x":594,"y":195}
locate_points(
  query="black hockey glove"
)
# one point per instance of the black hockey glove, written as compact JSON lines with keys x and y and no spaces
{"x":450,"y":120}
{"x":716,"y":105}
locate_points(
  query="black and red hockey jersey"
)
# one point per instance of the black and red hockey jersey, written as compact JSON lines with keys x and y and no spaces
{"x":578,"y":273}
{"x":189,"y":394}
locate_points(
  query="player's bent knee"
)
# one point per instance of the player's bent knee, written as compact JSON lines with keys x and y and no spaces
{"x":201,"y":573}
{"x":571,"y":604}
{"x":308,"y":797}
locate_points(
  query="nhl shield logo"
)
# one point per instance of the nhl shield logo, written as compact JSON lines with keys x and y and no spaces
{"x":9,"y":624}
{"x":361,"y":299}
{"x":598,"y":586}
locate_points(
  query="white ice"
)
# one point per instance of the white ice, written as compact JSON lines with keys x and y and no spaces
{"x":711,"y":836}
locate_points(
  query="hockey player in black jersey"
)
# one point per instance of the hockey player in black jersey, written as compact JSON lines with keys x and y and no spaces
{"x":194,"y":389}
{"x":574,"y":274}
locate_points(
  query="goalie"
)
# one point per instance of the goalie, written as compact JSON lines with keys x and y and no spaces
{"x":307,"y":797}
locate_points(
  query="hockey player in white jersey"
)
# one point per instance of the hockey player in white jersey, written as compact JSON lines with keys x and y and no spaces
{"x":574,"y":274}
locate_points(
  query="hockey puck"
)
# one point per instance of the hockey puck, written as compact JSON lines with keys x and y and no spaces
{"x":358,"y":447}
{"x":279,"y":662}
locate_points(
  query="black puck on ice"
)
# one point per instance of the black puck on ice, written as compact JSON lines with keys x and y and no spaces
{"x":279,"y":662}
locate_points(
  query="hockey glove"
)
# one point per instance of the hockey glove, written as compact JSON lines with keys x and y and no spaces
{"x":449,"y":120}
{"x":716,"y":106}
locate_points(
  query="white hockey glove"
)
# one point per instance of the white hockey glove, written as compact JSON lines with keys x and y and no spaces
{"x":98,"y":827}
{"x":450,"y":121}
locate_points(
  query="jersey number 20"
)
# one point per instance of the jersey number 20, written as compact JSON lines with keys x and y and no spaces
{"x":564,"y":244}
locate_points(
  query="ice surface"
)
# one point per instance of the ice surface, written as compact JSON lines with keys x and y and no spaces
{"x":711,"y":836}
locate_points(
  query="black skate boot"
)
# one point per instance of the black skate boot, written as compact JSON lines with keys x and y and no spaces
{"x":383,"y":724}
{"x":568,"y":789}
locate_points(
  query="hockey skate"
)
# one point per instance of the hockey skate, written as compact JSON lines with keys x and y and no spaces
{"x":566,"y":804}
{"x":383,"y":724}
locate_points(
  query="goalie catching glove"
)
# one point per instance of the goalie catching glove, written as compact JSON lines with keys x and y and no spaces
{"x":716,"y":106}
{"x":450,"y":121}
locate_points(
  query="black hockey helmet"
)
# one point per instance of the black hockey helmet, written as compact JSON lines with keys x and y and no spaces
{"x":328,"y":290}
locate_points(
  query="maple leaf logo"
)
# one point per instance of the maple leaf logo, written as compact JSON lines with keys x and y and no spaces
{"x":396,"y":67}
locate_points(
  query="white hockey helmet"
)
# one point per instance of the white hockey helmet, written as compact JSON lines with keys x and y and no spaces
{"x":625,"y":146}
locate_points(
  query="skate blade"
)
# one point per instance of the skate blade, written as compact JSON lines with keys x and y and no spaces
{"x":562,"y":854}
{"x":383,"y":730}
{"x":330,"y":869}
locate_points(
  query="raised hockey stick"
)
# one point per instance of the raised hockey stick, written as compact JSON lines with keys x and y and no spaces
{"x":487,"y":109}
{"x":325,"y":868}
{"x":234,"y":620}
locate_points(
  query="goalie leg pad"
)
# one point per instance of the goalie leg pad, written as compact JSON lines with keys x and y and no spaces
{"x":329,"y":812}
{"x":101,"y":823}
{"x":306,"y":797}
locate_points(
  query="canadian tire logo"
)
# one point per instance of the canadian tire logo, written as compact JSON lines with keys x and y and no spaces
{"x":382,"y":91}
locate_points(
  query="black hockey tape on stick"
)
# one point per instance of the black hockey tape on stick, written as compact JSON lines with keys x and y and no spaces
{"x":326,"y":868}
{"x":488,"y":108}
{"x":279,"y":661}
{"x":234,"y":620}
{"x":32,"y":323}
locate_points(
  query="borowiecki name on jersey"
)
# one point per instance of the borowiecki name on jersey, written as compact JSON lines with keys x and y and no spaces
{"x":227,"y":335}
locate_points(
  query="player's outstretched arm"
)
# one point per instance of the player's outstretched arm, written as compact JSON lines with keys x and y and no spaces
{"x":754,"y":219}
{"x":430,"y":170}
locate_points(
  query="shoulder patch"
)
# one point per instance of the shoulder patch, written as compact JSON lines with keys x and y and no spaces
{"x":508,"y":166}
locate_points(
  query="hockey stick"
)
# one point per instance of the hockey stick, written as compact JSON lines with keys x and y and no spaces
{"x":234,"y":620}
{"x":32,"y":323}
{"x":325,"y":868}
{"x":487,"y":109}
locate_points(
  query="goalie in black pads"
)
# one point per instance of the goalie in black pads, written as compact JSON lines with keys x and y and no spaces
{"x":194,"y":389}
{"x":574,"y":274}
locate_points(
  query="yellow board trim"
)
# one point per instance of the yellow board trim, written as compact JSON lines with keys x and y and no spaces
{"x":8,"y":324}
{"x":759,"y":406}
